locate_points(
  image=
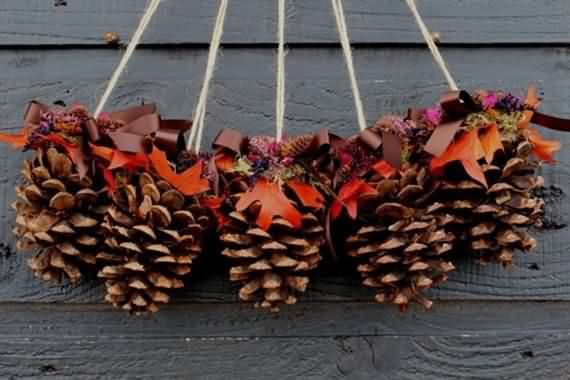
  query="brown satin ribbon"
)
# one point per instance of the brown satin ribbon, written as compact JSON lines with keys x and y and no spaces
{"x":390,"y":143}
{"x":143,"y":127}
{"x":456,"y":106}
{"x":230,"y":139}
{"x":551,"y":122}
{"x":33,"y":113}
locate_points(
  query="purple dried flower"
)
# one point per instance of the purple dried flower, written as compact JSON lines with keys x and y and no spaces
{"x":510,"y":103}
{"x":433,"y":115}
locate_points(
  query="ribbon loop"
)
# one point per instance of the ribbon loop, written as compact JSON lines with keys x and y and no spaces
{"x":229,"y":139}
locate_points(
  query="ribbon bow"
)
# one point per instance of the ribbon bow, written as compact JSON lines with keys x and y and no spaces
{"x":390,"y":143}
{"x":143,"y":127}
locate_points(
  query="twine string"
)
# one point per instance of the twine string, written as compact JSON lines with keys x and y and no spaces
{"x":133,"y":43}
{"x":438,"y":58}
{"x":345,"y":42}
{"x":280,"y":88}
{"x":195,"y":136}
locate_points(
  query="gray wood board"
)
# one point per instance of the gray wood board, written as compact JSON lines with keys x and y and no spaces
{"x":355,"y":341}
{"x":91,"y":344}
{"x":84,"y":22}
{"x":318,"y":96}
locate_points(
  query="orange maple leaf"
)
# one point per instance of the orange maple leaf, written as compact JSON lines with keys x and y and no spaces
{"x":215,"y":204}
{"x":273,"y":203}
{"x":348,"y":197}
{"x":307,"y":194}
{"x":118,"y":159}
{"x":225,"y":162}
{"x":189,"y":182}
{"x":110,"y":180}
{"x":532,"y":100}
{"x":491,"y":142}
{"x":73,"y":150}
{"x":383,"y":168}
{"x":541,"y":148}
{"x":18,"y":140}
{"x":467,"y":150}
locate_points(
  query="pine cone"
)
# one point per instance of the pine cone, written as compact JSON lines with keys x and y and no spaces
{"x":58,"y":215}
{"x":296,"y":146}
{"x":402,"y":247}
{"x":153,"y":235}
{"x":509,"y":207}
{"x":273,"y":266}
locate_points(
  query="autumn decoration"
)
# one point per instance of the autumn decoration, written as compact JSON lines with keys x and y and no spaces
{"x":118,"y":199}
{"x":275,"y":206}
{"x":461,"y":180}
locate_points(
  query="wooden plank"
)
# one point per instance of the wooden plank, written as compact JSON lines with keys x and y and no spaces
{"x":84,"y":22}
{"x":318,"y":96}
{"x":322,"y":319}
{"x":172,"y":355}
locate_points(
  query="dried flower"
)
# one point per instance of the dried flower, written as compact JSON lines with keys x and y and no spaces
{"x":489,"y":100}
{"x":433,"y":115}
{"x":510,"y":103}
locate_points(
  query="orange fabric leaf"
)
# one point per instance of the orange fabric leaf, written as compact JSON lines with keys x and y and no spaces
{"x":541,"y":148}
{"x":18,"y":140}
{"x":189,"y":182}
{"x":467,"y":150}
{"x":215,"y":204}
{"x":74,"y":151}
{"x":118,"y":159}
{"x":348,"y":198}
{"x":307,"y":194}
{"x":225,"y":162}
{"x":110,"y":180}
{"x":383,"y":168}
{"x":533,"y":102}
{"x":102,"y":152}
{"x":273,"y":203}
{"x":491,"y":142}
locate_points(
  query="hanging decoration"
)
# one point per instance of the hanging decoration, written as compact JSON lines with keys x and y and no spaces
{"x":275,"y":206}
{"x":131,"y":198}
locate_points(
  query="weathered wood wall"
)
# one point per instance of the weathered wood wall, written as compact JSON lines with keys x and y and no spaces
{"x":487,"y":323}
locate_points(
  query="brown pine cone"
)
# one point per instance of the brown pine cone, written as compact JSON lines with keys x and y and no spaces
{"x":58,"y":215}
{"x":153,"y":235}
{"x":273,"y":266}
{"x":509,"y":207}
{"x":296,"y":146}
{"x":403,"y":248}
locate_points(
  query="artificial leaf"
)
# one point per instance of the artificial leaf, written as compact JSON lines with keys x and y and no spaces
{"x":110,"y":180}
{"x":541,"y":148}
{"x":532,"y":101}
{"x":273,"y":203}
{"x":467,"y":150}
{"x":17,"y":140}
{"x":118,"y":159}
{"x":383,"y":168}
{"x":215,"y":204}
{"x":307,"y":194}
{"x":491,"y":142}
{"x":189,"y":182}
{"x":73,"y":150}
{"x":225,"y":162}
{"x":348,"y":198}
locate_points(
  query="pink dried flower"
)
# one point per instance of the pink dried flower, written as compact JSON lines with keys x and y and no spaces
{"x":433,"y":114}
{"x":489,"y":100}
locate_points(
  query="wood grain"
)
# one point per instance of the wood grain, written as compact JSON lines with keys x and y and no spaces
{"x":88,"y":343}
{"x":84,"y":22}
{"x":392,"y":79}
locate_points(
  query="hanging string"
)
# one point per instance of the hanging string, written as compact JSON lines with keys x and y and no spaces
{"x":438,"y":58}
{"x":280,"y":95}
{"x":195,"y":137}
{"x":345,"y":42}
{"x":135,"y":40}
